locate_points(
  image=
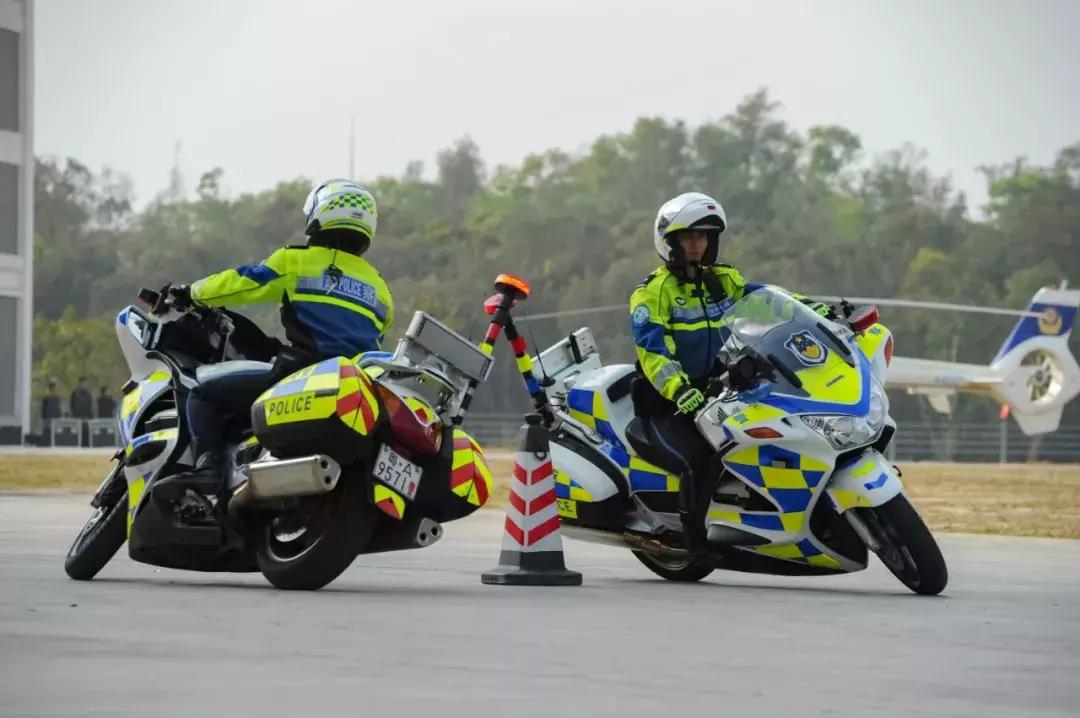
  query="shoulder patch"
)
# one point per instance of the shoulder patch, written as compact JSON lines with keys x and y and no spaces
{"x":652,"y":276}
{"x":640,"y":316}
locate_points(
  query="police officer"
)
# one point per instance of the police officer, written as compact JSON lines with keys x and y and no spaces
{"x":675,"y":321}
{"x":333,"y":303}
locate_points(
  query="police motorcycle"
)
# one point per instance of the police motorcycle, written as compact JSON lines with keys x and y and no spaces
{"x":342,"y":457}
{"x":799,"y":484}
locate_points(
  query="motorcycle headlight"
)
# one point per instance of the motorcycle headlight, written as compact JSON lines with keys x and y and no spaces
{"x":879,"y":407}
{"x":845,"y":432}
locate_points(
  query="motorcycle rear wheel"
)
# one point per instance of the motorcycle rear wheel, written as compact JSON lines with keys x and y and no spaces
{"x":908,"y":549}
{"x":684,"y":570}
{"x":310,"y":545}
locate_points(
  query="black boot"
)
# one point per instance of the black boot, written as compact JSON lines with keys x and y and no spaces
{"x":209,"y":463}
{"x":693,"y":532}
{"x":195,"y":495}
{"x":693,"y":525}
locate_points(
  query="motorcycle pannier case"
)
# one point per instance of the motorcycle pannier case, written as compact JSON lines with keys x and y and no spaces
{"x":327,"y":408}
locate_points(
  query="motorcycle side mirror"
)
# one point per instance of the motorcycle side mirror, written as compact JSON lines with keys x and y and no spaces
{"x":864,"y":318}
{"x":148,"y":297}
{"x":744,"y":372}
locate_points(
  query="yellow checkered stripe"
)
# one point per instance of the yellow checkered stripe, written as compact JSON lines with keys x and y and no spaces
{"x":162,"y":435}
{"x":844,"y":499}
{"x":753,"y":414}
{"x":470,"y":477}
{"x":567,"y":488}
{"x":136,"y":488}
{"x":790,"y":479}
{"x":587,"y":419}
{"x":323,"y":376}
{"x":774,"y":467}
{"x":871,"y":339}
{"x":389,"y":501}
{"x":351,"y":199}
{"x":133,"y":400}
{"x":335,"y":386}
{"x":801,"y":552}
{"x":357,"y":404}
{"x":588,"y":408}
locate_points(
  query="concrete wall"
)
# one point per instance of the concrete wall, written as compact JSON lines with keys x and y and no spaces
{"x":16,"y":216}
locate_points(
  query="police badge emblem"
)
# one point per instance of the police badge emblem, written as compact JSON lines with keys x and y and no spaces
{"x":806,"y":348}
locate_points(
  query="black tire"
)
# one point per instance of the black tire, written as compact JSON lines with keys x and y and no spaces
{"x":100,"y":538}
{"x":309,"y":546}
{"x":685,"y":570}
{"x":908,"y":549}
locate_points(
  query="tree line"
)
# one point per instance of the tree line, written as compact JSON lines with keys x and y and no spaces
{"x":809,"y":211}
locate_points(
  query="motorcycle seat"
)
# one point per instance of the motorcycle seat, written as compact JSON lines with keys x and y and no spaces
{"x":208,"y":373}
{"x":638,"y":433}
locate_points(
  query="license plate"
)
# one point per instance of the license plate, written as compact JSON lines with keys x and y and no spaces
{"x":397,"y":472}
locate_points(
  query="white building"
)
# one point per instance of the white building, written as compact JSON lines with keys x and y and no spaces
{"x":16,"y":217}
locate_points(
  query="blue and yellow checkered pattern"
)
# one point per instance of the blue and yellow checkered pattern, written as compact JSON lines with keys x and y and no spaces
{"x":322,"y":378}
{"x":567,"y":488}
{"x":789,"y":479}
{"x":587,"y":407}
{"x":786,"y":477}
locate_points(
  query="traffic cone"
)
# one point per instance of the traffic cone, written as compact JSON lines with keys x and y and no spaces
{"x":532,"y":553}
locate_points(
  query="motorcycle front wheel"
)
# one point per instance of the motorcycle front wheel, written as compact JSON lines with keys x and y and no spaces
{"x":103,"y":533}
{"x":906,"y":546}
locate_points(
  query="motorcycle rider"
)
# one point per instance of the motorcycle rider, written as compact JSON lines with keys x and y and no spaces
{"x":675,"y":318}
{"x":333,"y":303}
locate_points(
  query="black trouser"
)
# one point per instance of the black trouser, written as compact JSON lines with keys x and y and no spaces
{"x":678,"y":434}
{"x":226,"y":388}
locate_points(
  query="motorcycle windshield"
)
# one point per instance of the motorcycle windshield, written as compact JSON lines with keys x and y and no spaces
{"x":817,"y":369}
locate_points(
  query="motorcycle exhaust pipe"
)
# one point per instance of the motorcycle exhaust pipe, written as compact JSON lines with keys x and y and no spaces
{"x":287,"y":478}
{"x":653,"y":547}
{"x":417,"y":532}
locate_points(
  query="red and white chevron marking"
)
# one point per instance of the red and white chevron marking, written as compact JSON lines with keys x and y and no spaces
{"x":532,"y":518}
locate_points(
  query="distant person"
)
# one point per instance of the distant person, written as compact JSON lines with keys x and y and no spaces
{"x":82,"y":408}
{"x":50,"y":404}
{"x":106,"y":405}
{"x":82,"y":401}
{"x":50,"y":410}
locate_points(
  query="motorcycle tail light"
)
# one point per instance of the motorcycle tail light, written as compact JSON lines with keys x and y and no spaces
{"x":888,"y":351}
{"x":864,"y":319}
{"x":408,"y":429}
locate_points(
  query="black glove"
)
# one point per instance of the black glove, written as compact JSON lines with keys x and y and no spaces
{"x":179,"y":297}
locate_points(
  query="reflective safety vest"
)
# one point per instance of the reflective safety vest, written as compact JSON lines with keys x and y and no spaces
{"x":332,"y":303}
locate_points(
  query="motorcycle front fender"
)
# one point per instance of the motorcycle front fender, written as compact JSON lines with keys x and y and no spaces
{"x":867,"y":481}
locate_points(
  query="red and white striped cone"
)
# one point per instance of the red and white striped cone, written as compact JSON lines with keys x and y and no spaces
{"x":532,"y":553}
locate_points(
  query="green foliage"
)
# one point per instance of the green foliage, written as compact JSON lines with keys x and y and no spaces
{"x":70,"y":347}
{"x":806,"y":211}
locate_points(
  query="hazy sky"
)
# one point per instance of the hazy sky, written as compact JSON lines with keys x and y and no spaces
{"x":265,"y":89}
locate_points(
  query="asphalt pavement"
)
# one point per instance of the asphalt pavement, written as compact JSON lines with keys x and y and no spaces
{"x":416,"y":634}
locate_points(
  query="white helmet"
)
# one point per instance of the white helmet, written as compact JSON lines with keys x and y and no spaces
{"x":341,"y":204}
{"x":692,"y":210}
